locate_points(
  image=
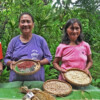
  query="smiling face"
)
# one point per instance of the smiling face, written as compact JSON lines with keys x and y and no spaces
{"x":73,"y":31}
{"x":26,"y":24}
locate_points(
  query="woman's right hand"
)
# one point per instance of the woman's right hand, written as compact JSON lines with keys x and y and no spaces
{"x":62,"y":73}
{"x":11,"y":64}
{"x":63,"y":70}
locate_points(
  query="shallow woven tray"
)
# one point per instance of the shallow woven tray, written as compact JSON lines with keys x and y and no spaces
{"x":31,"y":70}
{"x":77,"y":77}
{"x":57,"y":87}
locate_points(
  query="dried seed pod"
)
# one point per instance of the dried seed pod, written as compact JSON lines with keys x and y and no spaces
{"x":34,"y":90}
{"x":35,"y":98}
{"x":44,"y":96}
{"x":24,"y":89}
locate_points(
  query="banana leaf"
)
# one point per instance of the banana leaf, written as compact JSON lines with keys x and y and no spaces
{"x":11,"y":91}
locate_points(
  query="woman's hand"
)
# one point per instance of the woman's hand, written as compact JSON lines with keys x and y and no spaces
{"x":63,"y":70}
{"x":57,"y":65}
{"x":1,"y":67}
{"x":11,"y":64}
{"x":87,"y":71}
{"x":44,"y":61}
{"x":62,"y":74}
{"x":89,"y":64}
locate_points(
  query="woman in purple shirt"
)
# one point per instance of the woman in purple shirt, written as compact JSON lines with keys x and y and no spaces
{"x":27,"y":46}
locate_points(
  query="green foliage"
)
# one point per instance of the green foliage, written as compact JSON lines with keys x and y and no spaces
{"x":95,"y":69}
{"x":4,"y":77}
{"x":89,"y":5}
{"x":96,"y":82}
{"x":51,"y":73}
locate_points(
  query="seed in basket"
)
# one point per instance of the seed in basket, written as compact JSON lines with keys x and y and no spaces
{"x":25,"y":70}
{"x":57,"y":87}
{"x":26,"y":67}
{"x":78,"y":77}
{"x":25,"y":64}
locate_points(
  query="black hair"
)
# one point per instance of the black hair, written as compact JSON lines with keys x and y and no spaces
{"x":65,"y":38}
{"x":26,"y":13}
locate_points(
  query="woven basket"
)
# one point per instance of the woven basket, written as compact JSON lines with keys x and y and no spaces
{"x":33,"y":69}
{"x":57,"y":87}
{"x":77,"y":77}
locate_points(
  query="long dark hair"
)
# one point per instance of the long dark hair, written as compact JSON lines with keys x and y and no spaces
{"x":26,"y":13}
{"x":65,"y":38}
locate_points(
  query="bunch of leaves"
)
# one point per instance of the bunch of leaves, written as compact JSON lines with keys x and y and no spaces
{"x":50,"y":72}
{"x":96,"y":82}
{"x":95,"y":69}
{"x":4,"y":77}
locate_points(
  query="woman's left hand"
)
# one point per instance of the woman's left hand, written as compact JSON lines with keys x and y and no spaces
{"x":87,"y":71}
{"x":44,"y":61}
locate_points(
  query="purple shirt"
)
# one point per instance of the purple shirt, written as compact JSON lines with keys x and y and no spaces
{"x":36,"y":49}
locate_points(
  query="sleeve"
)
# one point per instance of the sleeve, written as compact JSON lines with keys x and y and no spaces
{"x":1,"y":55}
{"x":9,"y":52}
{"x":59,"y":51}
{"x":46,"y":51}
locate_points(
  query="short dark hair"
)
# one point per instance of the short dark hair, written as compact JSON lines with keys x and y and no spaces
{"x":65,"y":38}
{"x":26,"y":13}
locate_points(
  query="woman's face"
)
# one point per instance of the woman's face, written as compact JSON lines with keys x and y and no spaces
{"x":73,"y":31}
{"x":26,"y":24}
